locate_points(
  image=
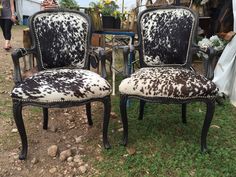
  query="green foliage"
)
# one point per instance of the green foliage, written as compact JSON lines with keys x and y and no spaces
{"x":109,"y":8}
{"x":69,"y":4}
{"x":106,"y":7}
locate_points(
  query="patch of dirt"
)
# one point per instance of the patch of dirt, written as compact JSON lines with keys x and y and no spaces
{"x":68,"y":130}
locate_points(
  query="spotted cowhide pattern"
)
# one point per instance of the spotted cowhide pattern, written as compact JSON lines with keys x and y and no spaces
{"x":61,"y":38}
{"x":55,"y":85}
{"x":165,"y":35}
{"x":168,"y":82}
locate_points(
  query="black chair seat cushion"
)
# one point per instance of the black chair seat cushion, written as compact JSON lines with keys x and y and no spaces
{"x":62,"y":85}
{"x":168,"y":82}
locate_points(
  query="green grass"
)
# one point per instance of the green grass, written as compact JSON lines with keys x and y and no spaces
{"x":166,"y":147}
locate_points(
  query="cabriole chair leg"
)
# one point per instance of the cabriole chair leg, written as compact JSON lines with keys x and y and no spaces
{"x":123,"y":111}
{"x":45,"y":118}
{"x":17,"y":114}
{"x":88,"y":112}
{"x":184,"y":107}
{"x":207,"y":122}
{"x":106,"y":118}
{"x":141,"y":109}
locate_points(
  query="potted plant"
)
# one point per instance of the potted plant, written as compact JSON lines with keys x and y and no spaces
{"x":109,"y":11}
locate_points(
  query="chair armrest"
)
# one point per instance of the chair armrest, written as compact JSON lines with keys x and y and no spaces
{"x":16,"y":55}
{"x":207,"y":55}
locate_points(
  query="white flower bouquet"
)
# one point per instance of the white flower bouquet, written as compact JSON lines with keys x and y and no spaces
{"x":214,"y":41}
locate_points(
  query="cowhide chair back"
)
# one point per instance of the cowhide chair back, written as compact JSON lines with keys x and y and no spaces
{"x":166,"y":36}
{"x":61,"y":44}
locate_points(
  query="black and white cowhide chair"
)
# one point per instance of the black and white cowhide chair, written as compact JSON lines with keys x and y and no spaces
{"x":61,"y":42}
{"x":166,"y":36}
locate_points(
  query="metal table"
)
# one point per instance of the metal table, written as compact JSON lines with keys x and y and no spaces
{"x":118,"y":32}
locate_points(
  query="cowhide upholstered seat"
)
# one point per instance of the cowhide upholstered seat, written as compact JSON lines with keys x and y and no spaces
{"x":61,"y":45}
{"x":60,"y":85}
{"x":167,"y":82}
{"x":166,"y":36}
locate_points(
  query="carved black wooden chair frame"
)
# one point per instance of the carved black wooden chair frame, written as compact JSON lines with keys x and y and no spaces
{"x":18,"y":103}
{"x":210,"y":101}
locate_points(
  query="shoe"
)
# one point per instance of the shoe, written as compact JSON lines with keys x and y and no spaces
{"x":7,"y":48}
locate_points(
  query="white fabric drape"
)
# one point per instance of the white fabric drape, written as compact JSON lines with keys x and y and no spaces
{"x":225,"y":71}
{"x":19,"y":7}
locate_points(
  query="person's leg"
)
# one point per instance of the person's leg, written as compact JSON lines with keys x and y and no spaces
{"x":7,"y":29}
{"x":2,"y":24}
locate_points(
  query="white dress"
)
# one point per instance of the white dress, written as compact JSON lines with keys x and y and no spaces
{"x":225,"y":71}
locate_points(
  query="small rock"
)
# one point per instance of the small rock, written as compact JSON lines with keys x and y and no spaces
{"x":83,"y":169}
{"x":14,"y":130}
{"x":71,"y":126}
{"x":99,"y":158}
{"x":71,"y":164}
{"x":41,"y":171}
{"x":19,"y":168}
{"x":78,"y":160}
{"x":71,"y":118}
{"x":65,"y":154}
{"x":65,"y":172}
{"x":68,"y":145}
{"x":81,"y":148}
{"x":66,"y":114}
{"x":215,"y":126}
{"x":53,"y":170}
{"x":16,"y":157}
{"x":113,"y":115}
{"x":52,"y":150}
{"x":78,"y":139}
{"x":34,"y":161}
{"x":192,"y":172}
{"x":131,"y":150}
{"x":120,"y":130}
{"x":69,"y":159}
